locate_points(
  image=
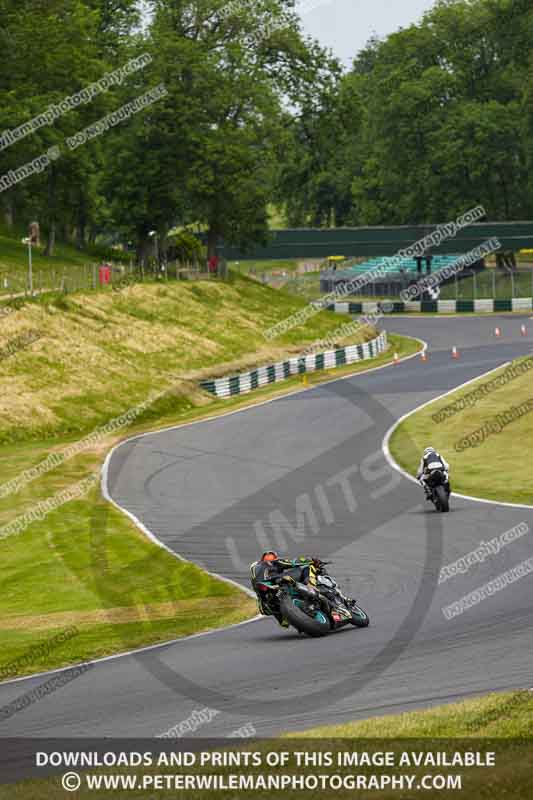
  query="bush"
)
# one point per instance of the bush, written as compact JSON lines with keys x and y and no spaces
{"x":104,"y":253}
{"x":185,"y":247}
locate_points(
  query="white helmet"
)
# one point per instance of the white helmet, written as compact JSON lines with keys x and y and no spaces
{"x":429,"y":450}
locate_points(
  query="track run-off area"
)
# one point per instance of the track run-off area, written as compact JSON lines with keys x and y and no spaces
{"x":309,"y":474}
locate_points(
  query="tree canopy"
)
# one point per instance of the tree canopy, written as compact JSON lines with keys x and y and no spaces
{"x":432,"y":120}
{"x":428,"y":122}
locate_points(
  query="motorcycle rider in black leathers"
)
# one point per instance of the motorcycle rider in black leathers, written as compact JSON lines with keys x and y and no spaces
{"x":303,"y":570}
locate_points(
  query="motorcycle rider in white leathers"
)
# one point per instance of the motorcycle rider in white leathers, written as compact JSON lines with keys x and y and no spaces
{"x":432,"y":460}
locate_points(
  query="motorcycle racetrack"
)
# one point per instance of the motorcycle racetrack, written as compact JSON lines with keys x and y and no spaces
{"x":307,"y":474}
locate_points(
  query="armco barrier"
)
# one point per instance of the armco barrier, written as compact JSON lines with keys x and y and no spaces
{"x":247,"y":381}
{"x":437,"y":306}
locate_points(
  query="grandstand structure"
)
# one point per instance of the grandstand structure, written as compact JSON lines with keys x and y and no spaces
{"x":367,"y":242}
{"x":388,"y":276}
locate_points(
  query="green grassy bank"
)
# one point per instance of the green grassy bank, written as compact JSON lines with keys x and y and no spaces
{"x":85,"y":569}
{"x":468,"y":428}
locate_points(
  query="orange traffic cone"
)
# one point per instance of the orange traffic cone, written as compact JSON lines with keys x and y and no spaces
{"x":455,"y":354}
{"x":497,"y":332}
{"x":423,"y":356}
{"x":523,"y":330}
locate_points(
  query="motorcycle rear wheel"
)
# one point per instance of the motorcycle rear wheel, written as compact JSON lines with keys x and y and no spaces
{"x":295,"y":616}
{"x":441,"y":495}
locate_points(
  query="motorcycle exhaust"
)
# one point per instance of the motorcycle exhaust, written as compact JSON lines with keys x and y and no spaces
{"x":307,"y":591}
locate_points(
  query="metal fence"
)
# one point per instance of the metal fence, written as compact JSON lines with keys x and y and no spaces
{"x":78,"y":278}
{"x":489,"y":284}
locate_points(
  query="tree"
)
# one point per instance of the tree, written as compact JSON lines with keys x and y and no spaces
{"x":228,"y":69}
{"x":51,"y":55}
{"x":430,"y":121}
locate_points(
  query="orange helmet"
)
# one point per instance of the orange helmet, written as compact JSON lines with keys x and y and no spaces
{"x":270,"y":555}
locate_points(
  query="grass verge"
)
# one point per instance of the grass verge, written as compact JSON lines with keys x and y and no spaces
{"x":94,"y":355}
{"x":408,"y":746}
{"x":85,"y":569}
{"x":486,"y":465}
{"x":77,"y":269}
{"x":498,"y":715}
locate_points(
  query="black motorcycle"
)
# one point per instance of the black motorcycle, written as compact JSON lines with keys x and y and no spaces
{"x":439,"y":491}
{"x":312,"y":610}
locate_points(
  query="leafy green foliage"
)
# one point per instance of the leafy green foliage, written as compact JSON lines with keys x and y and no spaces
{"x":429,"y":122}
{"x":187,"y":246}
{"x":206,"y":153}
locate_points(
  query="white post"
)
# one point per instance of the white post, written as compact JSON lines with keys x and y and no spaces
{"x":30,"y":268}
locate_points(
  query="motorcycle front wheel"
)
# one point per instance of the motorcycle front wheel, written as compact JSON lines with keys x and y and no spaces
{"x":359,"y":617}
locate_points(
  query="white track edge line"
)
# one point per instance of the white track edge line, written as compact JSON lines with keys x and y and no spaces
{"x":292,"y":393}
{"x":114,"y":656}
{"x":394,"y":464}
{"x":151,"y":536}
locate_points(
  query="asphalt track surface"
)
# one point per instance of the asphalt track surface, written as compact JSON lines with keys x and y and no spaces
{"x":219,"y":491}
